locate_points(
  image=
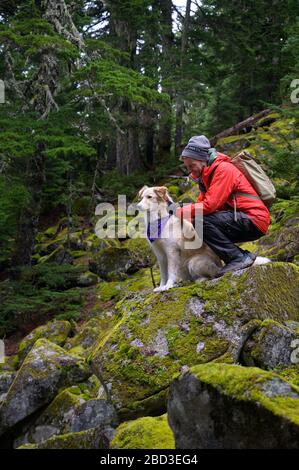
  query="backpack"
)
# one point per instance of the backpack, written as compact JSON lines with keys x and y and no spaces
{"x":256,"y":176}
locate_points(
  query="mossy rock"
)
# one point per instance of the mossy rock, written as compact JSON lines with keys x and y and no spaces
{"x":87,"y":279}
{"x":159,"y":334}
{"x":114,"y":264}
{"x":140,"y":251}
{"x":282,"y":244}
{"x":46,"y":369}
{"x":60,"y":255}
{"x":174,"y":191}
{"x":270,"y":345}
{"x":56,"y":331}
{"x":144,"y":433}
{"x":222,"y":406}
{"x":137,"y":282}
{"x":6,"y":379}
{"x":87,"y":336}
{"x":96,"y":438}
{"x":73,"y":410}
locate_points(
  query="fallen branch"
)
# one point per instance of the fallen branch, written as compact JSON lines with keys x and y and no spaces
{"x":236,"y":128}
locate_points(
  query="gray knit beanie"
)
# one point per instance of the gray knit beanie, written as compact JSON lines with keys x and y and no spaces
{"x":198,"y":148}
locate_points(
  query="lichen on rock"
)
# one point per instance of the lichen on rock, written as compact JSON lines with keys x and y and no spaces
{"x":222,"y":406}
{"x":46,"y":369}
{"x":159,"y":334}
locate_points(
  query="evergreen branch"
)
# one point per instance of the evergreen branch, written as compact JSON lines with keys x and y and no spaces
{"x":103,"y":103}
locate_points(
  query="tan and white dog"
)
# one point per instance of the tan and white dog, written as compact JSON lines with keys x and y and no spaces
{"x":176,"y":262}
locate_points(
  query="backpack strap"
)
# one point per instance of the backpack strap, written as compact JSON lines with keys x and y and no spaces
{"x":239,"y":193}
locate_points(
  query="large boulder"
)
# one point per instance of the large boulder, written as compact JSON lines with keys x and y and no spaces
{"x":6,"y":379}
{"x":114,"y":263}
{"x":56,"y":331}
{"x":95,"y":438}
{"x":144,"y":433}
{"x":45,"y":370}
{"x":73,"y":410}
{"x":282,"y":241}
{"x":271,"y":345}
{"x":86,"y":337}
{"x":158,"y":335}
{"x":224,"y":406}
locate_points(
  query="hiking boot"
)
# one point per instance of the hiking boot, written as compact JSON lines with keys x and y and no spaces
{"x":251,"y":254}
{"x":236,"y":264}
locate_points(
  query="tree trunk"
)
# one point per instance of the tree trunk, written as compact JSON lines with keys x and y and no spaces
{"x":180,"y":100}
{"x":167,"y":39}
{"x":29,"y":218}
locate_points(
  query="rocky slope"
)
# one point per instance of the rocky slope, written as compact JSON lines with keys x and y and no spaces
{"x":97,"y":360}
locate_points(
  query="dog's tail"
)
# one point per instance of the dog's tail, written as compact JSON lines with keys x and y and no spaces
{"x":261,"y":260}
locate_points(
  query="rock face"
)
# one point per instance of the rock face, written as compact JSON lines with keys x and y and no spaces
{"x":223,"y":406}
{"x":113,"y":263}
{"x":159,"y":335}
{"x":144,"y":433}
{"x":271,"y":345}
{"x":6,"y":379}
{"x":68,"y":413}
{"x":95,"y":438}
{"x":45,"y":370}
{"x":56,"y":332}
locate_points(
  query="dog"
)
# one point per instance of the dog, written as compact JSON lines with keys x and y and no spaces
{"x":176,"y":261}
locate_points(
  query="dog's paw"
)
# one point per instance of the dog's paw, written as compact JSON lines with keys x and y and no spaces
{"x":168,"y":286}
{"x":157,"y":289}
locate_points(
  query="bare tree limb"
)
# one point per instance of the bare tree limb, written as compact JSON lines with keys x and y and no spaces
{"x":237,"y":127}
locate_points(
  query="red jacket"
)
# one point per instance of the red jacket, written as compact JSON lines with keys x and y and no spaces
{"x":226,"y":180}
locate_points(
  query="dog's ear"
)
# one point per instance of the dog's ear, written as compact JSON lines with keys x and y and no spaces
{"x":141,"y":191}
{"x":162,"y":192}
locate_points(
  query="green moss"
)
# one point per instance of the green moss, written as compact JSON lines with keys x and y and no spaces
{"x":57,"y":332}
{"x":144,"y":433}
{"x":90,"y":439}
{"x":248,"y":383}
{"x":174,"y":191}
{"x":157,"y":333}
{"x":291,"y":374}
{"x":250,"y":246}
{"x":65,"y":401}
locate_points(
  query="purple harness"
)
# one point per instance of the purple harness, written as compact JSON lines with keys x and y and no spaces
{"x":155,"y":229}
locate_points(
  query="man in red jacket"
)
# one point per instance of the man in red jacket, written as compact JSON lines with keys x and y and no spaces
{"x":232,"y":210}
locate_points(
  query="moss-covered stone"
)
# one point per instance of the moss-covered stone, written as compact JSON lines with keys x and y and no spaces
{"x":270,"y":345}
{"x":158,"y":334}
{"x":114,"y":264}
{"x":222,"y":406}
{"x":73,"y":410}
{"x":88,"y":335}
{"x":87,"y":279}
{"x":56,"y":332}
{"x":96,"y":438}
{"x":45,"y":370}
{"x":144,"y":433}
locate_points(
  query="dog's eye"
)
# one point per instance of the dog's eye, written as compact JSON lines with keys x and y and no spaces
{"x":149,"y":197}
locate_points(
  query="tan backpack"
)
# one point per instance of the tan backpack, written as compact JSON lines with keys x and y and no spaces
{"x":256,"y":176}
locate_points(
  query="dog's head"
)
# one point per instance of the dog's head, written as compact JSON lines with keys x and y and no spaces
{"x":153,"y":199}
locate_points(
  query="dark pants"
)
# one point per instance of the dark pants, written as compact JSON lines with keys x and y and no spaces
{"x":221,"y":231}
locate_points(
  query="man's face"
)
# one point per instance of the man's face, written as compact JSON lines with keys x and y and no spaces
{"x":194,"y":167}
